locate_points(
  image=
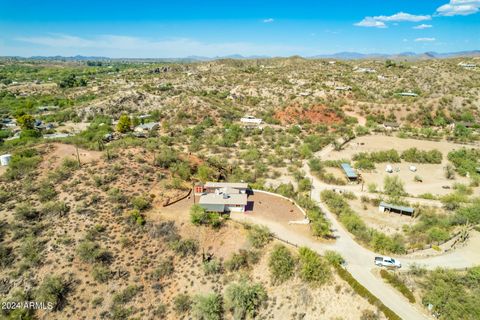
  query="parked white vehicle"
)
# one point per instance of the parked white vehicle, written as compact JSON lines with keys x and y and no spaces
{"x":387,"y":262}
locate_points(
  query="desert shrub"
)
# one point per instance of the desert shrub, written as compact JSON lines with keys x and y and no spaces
{"x":6,"y":256}
{"x":116,"y":195}
{"x":18,"y":313}
{"x":136,"y":217}
{"x":91,"y":252}
{"x":242,"y":260}
{"x":286,"y":190}
{"x":56,"y":208}
{"x":378,"y":156}
{"x":258,"y":236}
{"x":208,"y":307}
{"x":244,"y":299}
{"x":64,"y":171}
{"x":166,"y":158}
{"x":53,"y":290}
{"x":126,"y":295}
{"x":449,"y":172}
{"x":313,"y":269}
{"x":166,"y":230}
{"x":46,"y":191}
{"x":141,"y":203}
{"x":465,"y":160}
{"x":22,"y":164}
{"x":281,"y":264}
{"x":199,"y":216}
{"x":25,"y":211}
{"x":334,"y":258}
{"x":160,"y":311}
{"x":101,"y":273}
{"x":420,"y":156}
{"x":396,"y":282}
{"x":365,"y":164}
{"x":182,"y":303}
{"x":212,"y":266}
{"x":185,"y":247}
{"x":164,"y":269}
{"x":4,"y":196}
{"x":469,"y":214}
{"x":369,"y":315}
{"x":453,"y":294}
{"x":31,"y":250}
{"x":393,"y":186}
{"x":453,"y":201}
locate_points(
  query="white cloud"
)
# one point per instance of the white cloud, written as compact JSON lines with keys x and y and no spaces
{"x":379,"y":21}
{"x":269,"y":20}
{"x":425,"y":39}
{"x":423,"y":26}
{"x":459,"y":8}
{"x":402,"y":16}
{"x":370,"y":22}
{"x":120,"y":46}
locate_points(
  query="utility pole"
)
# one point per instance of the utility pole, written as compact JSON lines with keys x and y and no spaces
{"x":78,"y":156}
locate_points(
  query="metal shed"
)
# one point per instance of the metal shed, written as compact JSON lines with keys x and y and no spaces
{"x":394,"y":208}
{"x":349,"y":171}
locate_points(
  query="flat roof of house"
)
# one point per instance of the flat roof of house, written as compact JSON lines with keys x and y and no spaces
{"x":395,"y":207}
{"x":236,"y":185}
{"x":349,"y":171}
{"x":224,"y":199}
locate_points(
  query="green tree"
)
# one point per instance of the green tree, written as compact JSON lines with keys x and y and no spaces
{"x":313,"y":268}
{"x":393,"y":186}
{"x":245,"y":298}
{"x":26,"y":122}
{"x":124,"y":124}
{"x":208,"y":307}
{"x":258,"y":236}
{"x":281,"y":264}
{"x":52,"y":290}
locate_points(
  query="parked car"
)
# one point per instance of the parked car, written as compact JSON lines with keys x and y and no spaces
{"x":387,"y":262}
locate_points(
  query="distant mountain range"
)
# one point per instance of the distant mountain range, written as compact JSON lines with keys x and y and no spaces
{"x":337,"y":56}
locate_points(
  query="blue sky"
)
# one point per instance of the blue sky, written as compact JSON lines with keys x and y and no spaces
{"x":159,"y":29}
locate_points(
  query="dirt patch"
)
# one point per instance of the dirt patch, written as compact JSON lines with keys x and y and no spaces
{"x":55,"y":153}
{"x":316,"y":114}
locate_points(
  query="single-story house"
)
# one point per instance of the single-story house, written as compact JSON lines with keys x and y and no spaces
{"x":222,"y":196}
{"x":349,"y":172}
{"x":407,"y":94}
{"x":150,"y":126}
{"x":223,"y":202}
{"x":343,"y":88}
{"x":251,"y":120}
{"x":391,"y":126}
{"x":387,"y":207}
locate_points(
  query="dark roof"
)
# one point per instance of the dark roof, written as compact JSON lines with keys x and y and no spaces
{"x":349,"y":171}
{"x":398,"y":208}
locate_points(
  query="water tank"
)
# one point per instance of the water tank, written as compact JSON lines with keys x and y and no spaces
{"x":5,"y":159}
{"x":389,"y":169}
